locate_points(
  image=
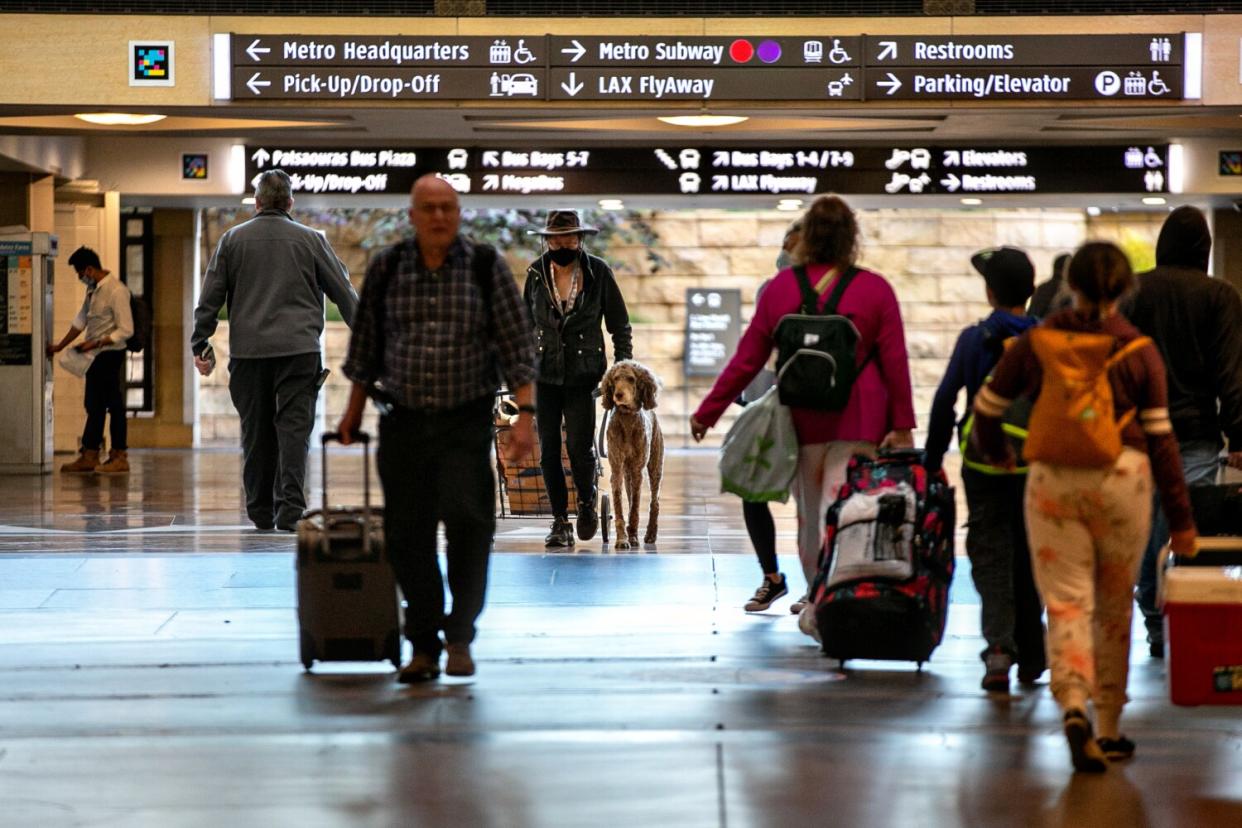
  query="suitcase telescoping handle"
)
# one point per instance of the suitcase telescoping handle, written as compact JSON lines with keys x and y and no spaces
{"x":360,"y":437}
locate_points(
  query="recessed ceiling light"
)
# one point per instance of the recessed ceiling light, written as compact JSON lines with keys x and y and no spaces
{"x":118,"y":118}
{"x":972,"y":202}
{"x":1093,"y":211}
{"x":248,"y":200}
{"x":703,"y":120}
{"x":611,"y":204}
{"x":789,"y":204}
{"x":1154,"y":201}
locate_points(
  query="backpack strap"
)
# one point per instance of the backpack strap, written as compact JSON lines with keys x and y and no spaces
{"x":810,"y":299}
{"x":1130,"y":347}
{"x":843,"y":282}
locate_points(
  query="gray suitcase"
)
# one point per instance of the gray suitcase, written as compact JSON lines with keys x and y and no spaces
{"x":348,"y":609}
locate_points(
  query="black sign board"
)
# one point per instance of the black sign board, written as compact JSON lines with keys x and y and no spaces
{"x":713,"y":327}
{"x":1231,"y":162}
{"x":1121,"y":83}
{"x":696,"y":170}
{"x":716,"y":52}
{"x":1025,"y":50}
{"x":1138,"y":68}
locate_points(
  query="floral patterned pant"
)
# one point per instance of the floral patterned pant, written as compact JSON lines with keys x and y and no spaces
{"x":1087,"y":530}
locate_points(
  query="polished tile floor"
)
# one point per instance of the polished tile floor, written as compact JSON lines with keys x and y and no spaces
{"x":149,"y":677}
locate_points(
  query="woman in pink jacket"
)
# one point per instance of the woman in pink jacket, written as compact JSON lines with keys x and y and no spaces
{"x":880,"y":411}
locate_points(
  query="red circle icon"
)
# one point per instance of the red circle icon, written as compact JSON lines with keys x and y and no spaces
{"x":741,"y":51}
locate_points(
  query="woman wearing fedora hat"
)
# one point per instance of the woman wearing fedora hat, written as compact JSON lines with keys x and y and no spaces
{"x":569,"y":293}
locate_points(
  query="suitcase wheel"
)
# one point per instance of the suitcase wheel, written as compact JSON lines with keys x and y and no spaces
{"x":308,"y":651}
{"x":605,"y":516}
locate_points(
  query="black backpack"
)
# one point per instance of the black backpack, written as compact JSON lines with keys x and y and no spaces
{"x":141,"y":312}
{"x":815,"y":361}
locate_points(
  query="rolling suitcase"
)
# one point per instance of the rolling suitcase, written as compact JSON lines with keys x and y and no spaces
{"x":882,"y":591}
{"x":347,"y":595}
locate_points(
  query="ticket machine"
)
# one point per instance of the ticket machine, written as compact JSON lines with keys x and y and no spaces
{"x":25,"y":370}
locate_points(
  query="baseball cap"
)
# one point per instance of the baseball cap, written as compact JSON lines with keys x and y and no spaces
{"x":1008,"y":272}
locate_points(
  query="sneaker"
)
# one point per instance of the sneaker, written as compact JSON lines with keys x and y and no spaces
{"x":118,"y":463}
{"x":588,"y":521}
{"x":996,"y":663}
{"x":1085,"y":753}
{"x":562,"y":534}
{"x":767,"y":592}
{"x":86,"y":462}
{"x":422,"y":667}
{"x":459,"y":663}
{"x":1117,"y":750}
{"x":1155,"y":638}
{"x":798,"y":606}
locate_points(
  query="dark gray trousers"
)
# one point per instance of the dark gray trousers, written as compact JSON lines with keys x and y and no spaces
{"x":436,"y":467}
{"x":275,"y":399}
{"x":1000,"y":563}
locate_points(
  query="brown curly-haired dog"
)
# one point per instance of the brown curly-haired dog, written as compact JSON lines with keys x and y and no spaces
{"x":634,"y":443}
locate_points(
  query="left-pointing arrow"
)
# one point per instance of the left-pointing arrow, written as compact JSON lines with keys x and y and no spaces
{"x":256,"y":85}
{"x":254,"y":50}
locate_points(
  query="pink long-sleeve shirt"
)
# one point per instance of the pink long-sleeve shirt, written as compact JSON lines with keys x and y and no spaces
{"x":881,"y":400}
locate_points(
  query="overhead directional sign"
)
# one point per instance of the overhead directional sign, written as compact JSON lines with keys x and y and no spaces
{"x":695,"y":170}
{"x":1121,"y":68}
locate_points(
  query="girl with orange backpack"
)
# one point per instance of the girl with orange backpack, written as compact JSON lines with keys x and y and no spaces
{"x":1099,"y":433}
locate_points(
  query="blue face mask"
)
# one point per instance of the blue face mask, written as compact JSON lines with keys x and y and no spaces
{"x":783,"y":260}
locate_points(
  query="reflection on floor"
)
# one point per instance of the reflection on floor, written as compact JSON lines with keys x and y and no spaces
{"x":149,"y":678}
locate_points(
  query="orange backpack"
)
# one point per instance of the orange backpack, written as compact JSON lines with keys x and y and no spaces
{"x":1073,"y":422}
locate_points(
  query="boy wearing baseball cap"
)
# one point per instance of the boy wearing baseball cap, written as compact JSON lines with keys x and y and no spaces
{"x":1012,"y":616}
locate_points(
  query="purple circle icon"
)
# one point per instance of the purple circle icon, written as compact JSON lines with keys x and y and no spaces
{"x":769,"y":51}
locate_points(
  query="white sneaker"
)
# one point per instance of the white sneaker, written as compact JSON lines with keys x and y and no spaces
{"x":799,"y":605}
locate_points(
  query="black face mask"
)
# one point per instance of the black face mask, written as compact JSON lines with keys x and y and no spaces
{"x":563,"y":256}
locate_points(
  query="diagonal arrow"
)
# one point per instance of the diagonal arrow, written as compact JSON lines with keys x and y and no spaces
{"x":577,"y":51}
{"x":573,"y":87}
{"x":892,"y":84}
{"x":889,"y":51}
{"x":254,"y":50}
{"x":254,"y":83}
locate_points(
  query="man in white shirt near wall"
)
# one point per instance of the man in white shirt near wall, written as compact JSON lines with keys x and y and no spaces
{"x":109,"y":323}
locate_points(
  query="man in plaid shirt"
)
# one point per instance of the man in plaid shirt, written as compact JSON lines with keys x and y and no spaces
{"x":432,"y":328}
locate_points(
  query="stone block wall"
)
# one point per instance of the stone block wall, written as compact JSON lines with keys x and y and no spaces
{"x":925,"y":254}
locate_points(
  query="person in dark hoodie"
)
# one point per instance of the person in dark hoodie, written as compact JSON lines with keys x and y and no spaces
{"x":570,"y":293}
{"x":996,"y":532}
{"x":1054,"y":294}
{"x":1196,"y":322}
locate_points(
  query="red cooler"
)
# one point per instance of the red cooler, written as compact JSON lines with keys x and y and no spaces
{"x":1203,"y":631}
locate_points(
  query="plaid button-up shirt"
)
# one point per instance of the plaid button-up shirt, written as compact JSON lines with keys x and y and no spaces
{"x":428,"y":336}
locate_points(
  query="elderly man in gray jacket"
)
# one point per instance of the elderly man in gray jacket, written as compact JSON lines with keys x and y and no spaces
{"x":272,"y":272}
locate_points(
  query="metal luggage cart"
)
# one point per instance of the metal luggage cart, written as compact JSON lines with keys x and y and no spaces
{"x":519,"y":487}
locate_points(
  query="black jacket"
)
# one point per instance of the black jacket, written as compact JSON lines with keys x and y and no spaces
{"x":1196,"y":321}
{"x":571,"y":346}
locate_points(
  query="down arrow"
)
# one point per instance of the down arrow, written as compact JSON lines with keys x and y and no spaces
{"x":573,"y":87}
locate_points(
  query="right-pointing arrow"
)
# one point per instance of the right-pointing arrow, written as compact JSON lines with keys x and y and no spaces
{"x":254,"y":83}
{"x":952,"y":183}
{"x":578,"y":51}
{"x":892,"y":84}
{"x":573,"y":87}
{"x":889,"y":51}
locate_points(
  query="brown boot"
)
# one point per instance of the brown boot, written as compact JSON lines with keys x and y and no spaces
{"x":118,"y":463}
{"x":86,"y":462}
{"x":459,"y":661}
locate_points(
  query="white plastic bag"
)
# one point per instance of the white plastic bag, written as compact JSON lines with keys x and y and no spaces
{"x":760,"y":453}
